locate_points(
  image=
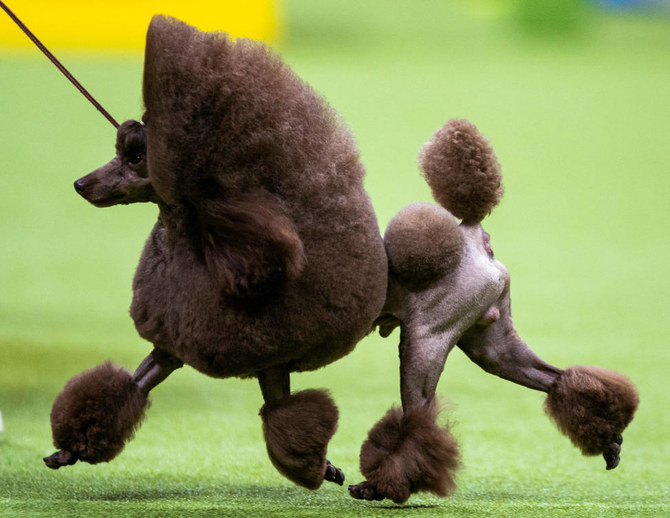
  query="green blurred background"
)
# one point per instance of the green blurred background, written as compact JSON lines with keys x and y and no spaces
{"x":574,"y":99}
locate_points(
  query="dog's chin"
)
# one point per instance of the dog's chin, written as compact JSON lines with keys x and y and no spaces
{"x":108,"y":201}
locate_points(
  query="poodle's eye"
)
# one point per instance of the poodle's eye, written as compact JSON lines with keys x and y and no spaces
{"x":135,"y":159}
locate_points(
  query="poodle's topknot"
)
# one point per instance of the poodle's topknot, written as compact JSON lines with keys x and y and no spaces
{"x":227,"y":116}
{"x":462,"y":170}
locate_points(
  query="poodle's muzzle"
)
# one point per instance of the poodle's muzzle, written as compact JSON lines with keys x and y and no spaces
{"x":115,"y":183}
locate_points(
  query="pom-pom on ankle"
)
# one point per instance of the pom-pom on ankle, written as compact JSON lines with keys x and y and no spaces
{"x":592,"y":407}
{"x":407,"y":452}
{"x":94,"y":416}
{"x":297,"y":431}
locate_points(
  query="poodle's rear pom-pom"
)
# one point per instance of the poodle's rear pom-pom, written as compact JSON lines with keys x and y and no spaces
{"x":95,"y":415}
{"x":406,"y":453}
{"x":297,"y":430}
{"x":462,"y":171}
{"x":423,"y":243}
{"x":593,"y":406}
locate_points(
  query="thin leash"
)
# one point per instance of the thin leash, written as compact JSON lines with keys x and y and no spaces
{"x":58,"y":64}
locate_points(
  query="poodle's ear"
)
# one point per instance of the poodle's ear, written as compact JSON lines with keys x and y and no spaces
{"x":249,"y":244}
{"x":131,"y":139}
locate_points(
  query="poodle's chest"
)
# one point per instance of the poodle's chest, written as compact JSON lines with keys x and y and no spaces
{"x":172,"y":290}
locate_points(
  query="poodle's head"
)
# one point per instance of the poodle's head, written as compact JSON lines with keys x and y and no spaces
{"x":124,"y":179}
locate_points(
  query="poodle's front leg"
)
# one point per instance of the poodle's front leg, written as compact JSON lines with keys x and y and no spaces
{"x":297,"y":428}
{"x":100,"y":409}
{"x":154,"y":369}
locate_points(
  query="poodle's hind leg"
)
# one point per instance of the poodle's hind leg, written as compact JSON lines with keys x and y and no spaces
{"x":100,"y":409}
{"x":297,"y":428}
{"x":591,"y":406}
{"x":407,"y":451}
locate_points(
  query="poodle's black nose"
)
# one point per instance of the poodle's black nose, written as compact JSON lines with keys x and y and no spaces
{"x":80,"y":185}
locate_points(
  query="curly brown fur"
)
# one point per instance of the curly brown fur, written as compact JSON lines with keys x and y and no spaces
{"x":231,"y":110}
{"x":234,"y":120}
{"x":267,"y":249}
{"x":297,"y":431}
{"x":592,"y":406}
{"x":250,"y":244}
{"x":423,"y":243}
{"x":462,"y":170}
{"x":408,"y":452}
{"x":97,"y":413}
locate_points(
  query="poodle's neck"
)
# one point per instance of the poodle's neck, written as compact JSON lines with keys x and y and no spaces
{"x":180,"y":225}
{"x":175,"y":218}
{"x":172,"y":216}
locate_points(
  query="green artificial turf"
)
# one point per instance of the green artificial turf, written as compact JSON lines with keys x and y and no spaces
{"x":581,"y":123}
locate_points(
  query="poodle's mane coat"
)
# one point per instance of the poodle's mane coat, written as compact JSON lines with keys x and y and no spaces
{"x":267,"y":249}
{"x":227,"y":118}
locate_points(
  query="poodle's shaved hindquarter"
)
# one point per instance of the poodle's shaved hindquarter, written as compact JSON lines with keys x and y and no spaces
{"x":447,"y":289}
{"x":266,"y":258}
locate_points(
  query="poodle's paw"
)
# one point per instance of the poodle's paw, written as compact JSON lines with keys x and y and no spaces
{"x":333,"y":474}
{"x":94,"y":416}
{"x":407,"y":452}
{"x":297,"y":430}
{"x":593,"y":406}
{"x":365,"y":491}
{"x":612,"y":451}
{"x":59,"y":459}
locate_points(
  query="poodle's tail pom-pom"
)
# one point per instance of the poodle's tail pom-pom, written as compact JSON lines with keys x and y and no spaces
{"x":592,"y":407}
{"x":95,"y":415}
{"x":297,"y":430}
{"x":462,"y":170}
{"x":408,"y":452}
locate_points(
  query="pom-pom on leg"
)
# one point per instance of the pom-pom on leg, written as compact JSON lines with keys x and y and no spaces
{"x":406,"y":453}
{"x":593,"y":406}
{"x":297,"y":430}
{"x":95,"y":415}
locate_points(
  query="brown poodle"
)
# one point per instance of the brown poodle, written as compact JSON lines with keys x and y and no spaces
{"x":266,"y":258}
{"x":447,"y":289}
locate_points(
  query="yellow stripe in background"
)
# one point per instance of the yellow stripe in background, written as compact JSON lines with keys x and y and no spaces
{"x":122,"y":24}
